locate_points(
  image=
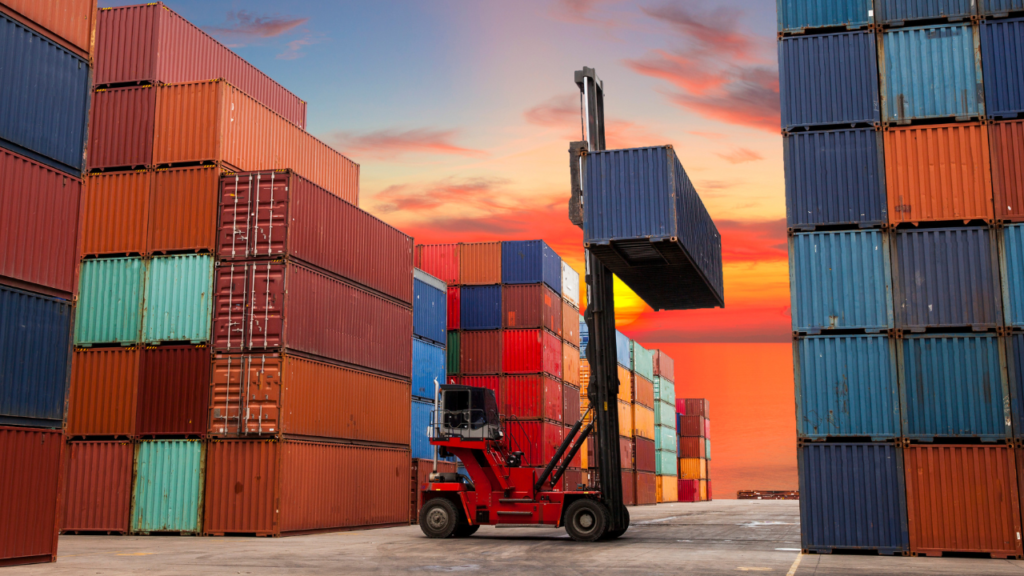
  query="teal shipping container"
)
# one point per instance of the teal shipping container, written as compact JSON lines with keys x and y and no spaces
{"x":110,"y":301}
{"x":665,"y":414}
{"x":168,"y":494}
{"x":178,"y":302}
{"x":665,"y":391}
{"x":707,"y":449}
{"x":665,"y":439}
{"x":642,"y":360}
{"x":665,"y":463}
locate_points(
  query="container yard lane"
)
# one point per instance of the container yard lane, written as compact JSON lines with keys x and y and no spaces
{"x":713,"y":538}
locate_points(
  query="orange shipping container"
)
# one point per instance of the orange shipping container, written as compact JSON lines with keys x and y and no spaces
{"x":480,"y":264}
{"x":668,"y":489}
{"x":570,"y":364}
{"x":70,"y":22}
{"x":643,"y":422}
{"x":104,"y":384}
{"x":115,"y":213}
{"x":625,"y":384}
{"x":570,"y":324}
{"x":936,"y":173}
{"x":625,"y":419}
{"x":643,"y":391}
{"x":183,"y":211}
{"x":1007,"y":144}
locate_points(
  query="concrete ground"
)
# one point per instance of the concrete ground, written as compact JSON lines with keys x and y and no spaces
{"x":722,"y":537}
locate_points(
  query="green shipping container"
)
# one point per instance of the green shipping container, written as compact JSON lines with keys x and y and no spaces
{"x":665,"y":463}
{"x":179,"y":294}
{"x":665,"y":391}
{"x":665,"y":414}
{"x":453,"y":352}
{"x":109,"y":307}
{"x":665,"y":438}
{"x":707,"y":448}
{"x":168,"y":494}
{"x":642,"y":360}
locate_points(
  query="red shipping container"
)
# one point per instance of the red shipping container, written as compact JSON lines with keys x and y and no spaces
{"x":570,"y":324}
{"x":644,"y":456}
{"x":1008,"y":168}
{"x":530,"y":351}
{"x":646,"y":489}
{"x":532,"y":397}
{"x":440,"y":261}
{"x":115,"y":213}
{"x":689,"y":490}
{"x":121,"y":124}
{"x":98,"y":486}
{"x":492,"y":383}
{"x":692,"y":447}
{"x":707,"y":428}
{"x":38,"y":226}
{"x":626,"y":453}
{"x":270,"y":395}
{"x":150,"y":43}
{"x":174,"y":392}
{"x":277,"y":488}
{"x":183,"y":211}
{"x":629,"y":488}
{"x":664,"y":366}
{"x":571,"y":404}
{"x":454,"y":307}
{"x":690,"y":426}
{"x":104,"y":392}
{"x":538,"y":441}
{"x":962,"y":499}
{"x":69,"y":22}
{"x":643,"y":391}
{"x":574,"y":480}
{"x":692,"y":407}
{"x":531,"y":306}
{"x":480,"y":352}
{"x":421,"y":471}
{"x":269,"y":305}
{"x":29,"y":494}
{"x":278,"y":214}
{"x":577,"y":460}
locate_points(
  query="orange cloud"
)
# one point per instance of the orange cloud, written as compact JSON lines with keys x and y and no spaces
{"x":388,"y":144}
{"x":243,"y":23}
{"x":740,"y":156}
{"x":715,"y":32}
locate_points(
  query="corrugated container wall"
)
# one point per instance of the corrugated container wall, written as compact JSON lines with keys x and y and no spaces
{"x":440,"y":261}
{"x":1007,"y":156}
{"x":1001,"y":42}
{"x":530,"y":306}
{"x":420,"y":424}
{"x":104,"y":392}
{"x":168,"y":493}
{"x":829,"y":79}
{"x":480,"y":352}
{"x":44,"y":98}
{"x":664,"y":367}
{"x":110,"y":301}
{"x":97,"y":486}
{"x":121,"y":124}
{"x":430,"y":308}
{"x":899,"y":12}
{"x":570,"y":365}
{"x":481,"y":307}
{"x":35,"y":359}
{"x":538,"y":441}
{"x":571,"y":325}
{"x":115,"y":213}
{"x":1011,"y":252}
{"x":150,"y":43}
{"x":173,"y":392}
{"x":183,"y":211}
{"x":799,"y":16}
{"x":531,"y":351}
{"x":29,"y":494}
{"x":178,"y":299}
{"x":643,"y":360}
{"x":570,"y":285}
{"x":428,"y":366}
{"x":1015,"y":372}
{"x":932,"y":72}
{"x":480,"y":264}
{"x":70,"y":22}
{"x":38,"y":225}
{"x":1001,"y":7}
{"x":534,"y":397}
{"x":454,"y":308}
{"x":622,"y":349}
{"x":531,"y":262}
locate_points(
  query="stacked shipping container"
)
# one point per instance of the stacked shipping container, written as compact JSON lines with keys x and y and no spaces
{"x":430,"y":334}
{"x":666,"y":440}
{"x":694,"y":427}
{"x":902,"y":180}
{"x":46,"y":56}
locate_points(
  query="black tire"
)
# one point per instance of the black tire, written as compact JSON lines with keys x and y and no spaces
{"x":465,"y":530}
{"x":613,"y":534}
{"x":439,"y":518}
{"x":586,"y":520}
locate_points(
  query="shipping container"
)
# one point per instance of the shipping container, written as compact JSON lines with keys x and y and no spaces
{"x":279,"y":213}
{"x":34,"y":358}
{"x":571,"y":411}
{"x":38,"y":226}
{"x":665,"y":438}
{"x":570,"y":364}
{"x":692,"y":447}
{"x":584,"y":337}
{"x":693,"y":407}
{"x":531,"y":262}
{"x":707,"y":428}
{"x":454,"y":353}
{"x":537,"y":440}
{"x":173,"y":392}
{"x":646,"y":223}
{"x":852,"y":497}
{"x":440,"y":261}
{"x":269,"y":395}
{"x":625,"y":384}
{"x":104,"y":392}
{"x":109,"y":309}
{"x":1001,"y":42}
{"x":571,"y":325}
{"x":900,"y":12}
{"x":531,"y":351}
{"x":271,"y":305}
{"x":628,"y":488}
{"x":800,"y":16}
{"x":626,"y":452}
{"x":689,"y":490}
{"x":45,"y":94}
{"x":643,"y":391}
{"x":183,"y":211}
{"x":1007,"y":157}
{"x":168,"y":494}
{"x":1015,"y":371}
{"x":421,"y":415}
{"x":1000,"y":8}
{"x":641,"y":360}
{"x":643,"y":422}
{"x":693,"y":469}
{"x":577,"y":460}
{"x":480,"y":352}
{"x":69,"y":23}
{"x":962,"y":499}
{"x":931,"y":72}
{"x":666,"y":462}
{"x":151,"y":43}
{"x":429,"y":308}
{"x":527,"y":306}
{"x":846,"y":386}
{"x":622,"y":350}
{"x":668,"y":488}
{"x":840,"y":280}
{"x":30,"y":495}
{"x":665,"y":392}
{"x":664,"y":368}
{"x":121,"y":124}
{"x":480,"y":263}
{"x":421,"y":471}
{"x":481,"y":307}
{"x":625,"y":419}
{"x":570,"y":285}
{"x":115,"y":214}
{"x":1011,"y":253}
{"x":703,"y":490}
{"x":947,"y":277}
{"x":644,"y":456}
{"x":690,"y":426}
{"x":707,"y":447}
{"x":665,"y":415}
{"x":97,"y":486}
{"x":533,"y":397}
{"x":454,"y":308}
{"x":178,"y":299}
{"x":646,"y":489}
{"x":938,"y":173}
{"x":492,"y":383}
{"x":428,"y":368}
{"x":829,"y":80}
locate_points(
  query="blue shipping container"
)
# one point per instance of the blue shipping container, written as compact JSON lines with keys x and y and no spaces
{"x":420,"y":441}
{"x":932,"y":72}
{"x":840,"y":280}
{"x":797,"y":16}
{"x":584,"y":337}
{"x":428,"y":364}
{"x":947,"y":277}
{"x":429,"y":307}
{"x":622,"y":349}
{"x":954,"y":385}
{"x":35,"y":358}
{"x":1001,"y":7}
{"x":1012,"y":254}
{"x":644,"y":220}
{"x":831,"y":79}
{"x":480,"y":307}
{"x":898,"y":12}
{"x":1002,"y":46}
{"x":531,"y":262}
{"x":846,"y":386}
{"x":1015,"y":377}
{"x":44,"y":98}
{"x":835,"y":177}
{"x":853,"y":497}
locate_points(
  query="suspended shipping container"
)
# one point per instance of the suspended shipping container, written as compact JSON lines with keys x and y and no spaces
{"x":429,"y":308}
{"x":900,"y":12}
{"x":104,"y":392}
{"x":168,"y":494}
{"x":1015,"y":371}
{"x":1008,"y":168}
{"x":69,"y":23}
{"x":531,"y":351}
{"x":1000,"y":8}
{"x":1012,"y":254}
{"x":800,"y":16}
{"x":480,"y":352}
{"x":173,"y":392}
{"x":481,"y":307}
{"x":480,"y":264}
{"x":178,"y":299}
{"x":121,"y":124}
{"x":1001,"y":42}
{"x":183,"y":212}
{"x":428,"y":368}
{"x":115,"y":214}
{"x":109,"y":307}
{"x":531,"y":262}
{"x":29,"y":495}
{"x":97,"y":486}
{"x":440,"y":261}
{"x":533,"y":397}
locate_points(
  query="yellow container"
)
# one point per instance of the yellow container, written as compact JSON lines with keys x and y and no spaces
{"x":703,"y":490}
{"x":643,"y":422}
{"x":584,"y":460}
{"x":668,"y":489}
{"x":693,"y":469}
{"x":625,"y":384}
{"x":625,"y":419}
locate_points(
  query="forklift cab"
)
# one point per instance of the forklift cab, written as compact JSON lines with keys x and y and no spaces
{"x":467,"y":413}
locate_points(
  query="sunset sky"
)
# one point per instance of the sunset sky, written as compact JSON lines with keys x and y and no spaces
{"x":460,"y":113}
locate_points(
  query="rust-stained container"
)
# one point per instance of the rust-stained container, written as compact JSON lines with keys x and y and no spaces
{"x":440,"y":261}
{"x":271,"y":395}
{"x":963,"y":499}
{"x":454,"y":307}
{"x":690,"y":426}
{"x":577,"y":460}
{"x":692,"y":447}
{"x":276,"y":488}
{"x":643,"y":455}
{"x":625,"y":384}
{"x":629,"y":488}
{"x":480,"y":352}
{"x":97,"y":486}
{"x":664,"y":366}
{"x":537,"y":440}
{"x":121,"y":124}
{"x":533,"y":397}
{"x":938,"y":173}
{"x":571,"y":411}
{"x":531,"y":306}
{"x":69,"y":22}
{"x":271,"y":305}
{"x":173,"y":392}
{"x":29,"y":494}
{"x":1007,"y":152}
{"x":625,"y":419}
{"x":626,"y":453}
{"x":421,"y":471}
{"x":115,"y":213}
{"x":530,"y":351}
{"x":276,"y":214}
{"x":646,"y":489}
{"x":38,"y":226}
{"x":183,"y":211}
{"x":104,"y":389}
{"x":150,"y":43}
{"x":570,"y":324}
{"x":479,"y":264}
{"x":570,"y":364}
{"x":643,"y":391}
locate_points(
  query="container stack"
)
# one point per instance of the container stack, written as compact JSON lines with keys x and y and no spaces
{"x":901,"y":127}
{"x":641,"y":381}
{"x":429,"y":336}
{"x":666,"y":440}
{"x":46,"y":58}
{"x":693,"y":423}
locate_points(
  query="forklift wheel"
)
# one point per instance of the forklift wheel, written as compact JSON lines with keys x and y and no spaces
{"x":586,"y":520}
{"x":612,"y":535}
{"x":439,"y":518}
{"x":465,"y":530}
